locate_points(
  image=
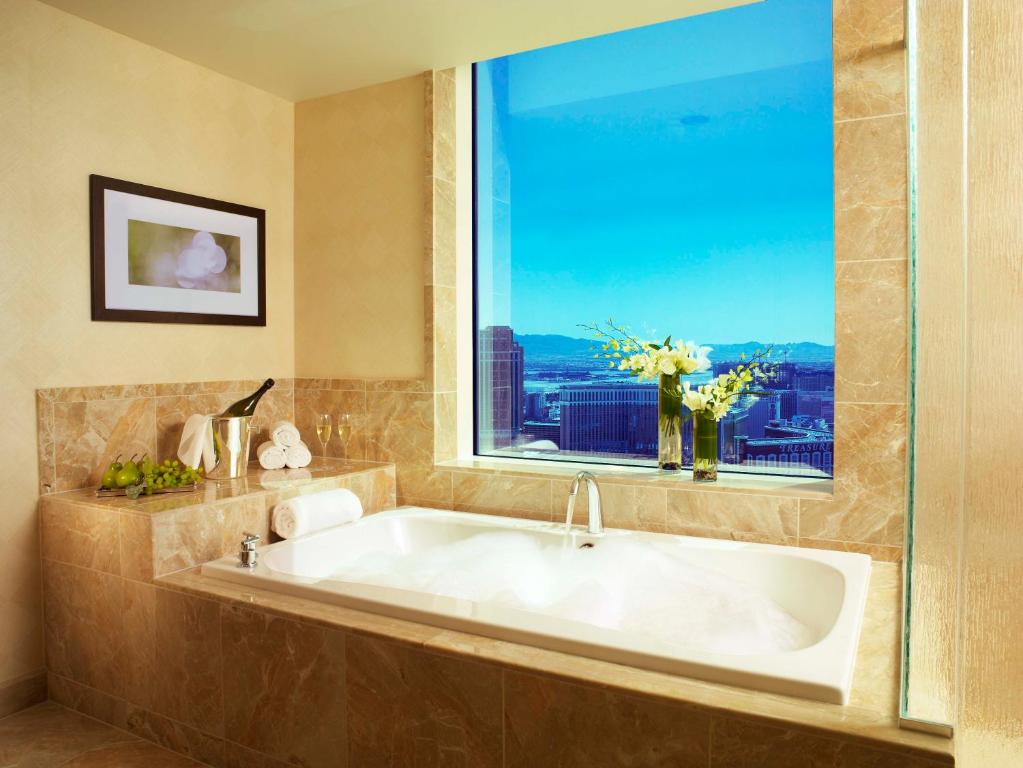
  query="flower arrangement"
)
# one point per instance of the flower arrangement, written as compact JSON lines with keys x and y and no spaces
{"x":666,"y":362}
{"x":717,"y":396}
{"x":646,"y":360}
{"x":707,"y":404}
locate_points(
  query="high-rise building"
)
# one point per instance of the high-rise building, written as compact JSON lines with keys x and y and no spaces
{"x":815,"y":380}
{"x":730,"y":426}
{"x":809,"y":404}
{"x":787,"y":403}
{"x":759,"y":411}
{"x":817,"y":405}
{"x":536,"y":406}
{"x":609,"y":418}
{"x":828,"y":410}
{"x":782,"y":375}
{"x":747,"y":418}
{"x":500,"y":367}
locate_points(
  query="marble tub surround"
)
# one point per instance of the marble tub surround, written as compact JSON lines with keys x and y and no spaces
{"x":155,"y":535}
{"x":156,"y":661}
{"x":82,"y":429}
{"x":320,"y":685}
{"x":216,"y":671}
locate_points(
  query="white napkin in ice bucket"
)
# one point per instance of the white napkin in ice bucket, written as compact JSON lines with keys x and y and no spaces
{"x":197,"y":442}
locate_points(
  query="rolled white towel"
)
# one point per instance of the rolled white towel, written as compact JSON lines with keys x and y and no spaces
{"x":297,"y":456}
{"x":285,"y":434}
{"x":271,"y":455}
{"x":316,"y":511}
{"x":197,"y":442}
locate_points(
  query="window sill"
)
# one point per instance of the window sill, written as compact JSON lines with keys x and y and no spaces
{"x":728,"y":482}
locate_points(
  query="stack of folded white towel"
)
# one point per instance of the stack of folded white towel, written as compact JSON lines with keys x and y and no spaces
{"x":284,"y":448}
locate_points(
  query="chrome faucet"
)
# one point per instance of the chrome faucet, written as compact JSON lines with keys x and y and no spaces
{"x":595,"y":524}
{"x":247,"y":554}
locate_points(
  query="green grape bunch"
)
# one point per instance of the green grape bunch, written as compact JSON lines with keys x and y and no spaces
{"x":146,"y":476}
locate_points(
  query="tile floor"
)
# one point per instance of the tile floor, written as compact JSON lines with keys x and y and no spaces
{"x":49,"y":735}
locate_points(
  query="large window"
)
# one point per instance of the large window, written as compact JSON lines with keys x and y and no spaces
{"x":678,"y":178}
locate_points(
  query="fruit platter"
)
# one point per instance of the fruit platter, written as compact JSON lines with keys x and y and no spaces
{"x":146,"y":477}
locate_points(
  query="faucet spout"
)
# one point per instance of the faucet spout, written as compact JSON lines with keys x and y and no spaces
{"x":595,"y":521}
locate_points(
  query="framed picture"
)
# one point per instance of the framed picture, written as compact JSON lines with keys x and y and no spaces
{"x":168,"y":257}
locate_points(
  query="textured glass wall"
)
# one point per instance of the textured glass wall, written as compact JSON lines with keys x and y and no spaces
{"x":939,"y":361}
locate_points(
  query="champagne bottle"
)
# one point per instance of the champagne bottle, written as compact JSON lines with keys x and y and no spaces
{"x":247,"y":405}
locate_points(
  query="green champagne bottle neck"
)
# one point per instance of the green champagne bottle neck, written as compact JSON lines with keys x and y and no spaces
{"x":247,"y":405}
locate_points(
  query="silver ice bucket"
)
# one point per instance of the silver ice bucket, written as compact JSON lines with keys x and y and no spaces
{"x":231,"y":446}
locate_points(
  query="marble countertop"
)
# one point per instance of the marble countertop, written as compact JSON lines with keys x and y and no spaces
{"x":257,"y":481}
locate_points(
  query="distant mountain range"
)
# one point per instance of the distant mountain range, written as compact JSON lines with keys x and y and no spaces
{"x":537,"y":346}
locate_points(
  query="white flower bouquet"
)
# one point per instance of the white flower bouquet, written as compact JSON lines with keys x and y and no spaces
{"x":647,"y":360}
{"x":717,"y":396}
{"x":668,"y":363}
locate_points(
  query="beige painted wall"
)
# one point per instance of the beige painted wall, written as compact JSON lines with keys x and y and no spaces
{"x":77,"y":99}
{"x":991,"y":665}
{"x":967,"y":652}
{"x":360,"y":191}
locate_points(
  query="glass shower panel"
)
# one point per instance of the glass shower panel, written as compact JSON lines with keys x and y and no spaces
{"x":937,"y":362}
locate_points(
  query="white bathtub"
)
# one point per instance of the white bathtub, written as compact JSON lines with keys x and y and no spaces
{"x":778,"y":619}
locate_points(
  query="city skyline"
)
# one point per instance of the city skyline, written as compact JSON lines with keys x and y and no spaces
{"x":573,"y":407}
{"x":726,"y":348}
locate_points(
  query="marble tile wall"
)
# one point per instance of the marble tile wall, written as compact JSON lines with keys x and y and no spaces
{"x":413,"y":422}
{"x":82,"y":429}
{"x":871,"y":293}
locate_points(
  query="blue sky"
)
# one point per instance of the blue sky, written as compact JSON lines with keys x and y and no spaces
{"x":676,"y":176}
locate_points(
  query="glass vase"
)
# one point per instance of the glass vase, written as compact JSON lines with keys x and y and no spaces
{"x":669,"y":423}
{"x":705,"y":447}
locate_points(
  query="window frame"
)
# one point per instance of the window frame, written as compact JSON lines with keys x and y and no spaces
{"x":757,"y":470}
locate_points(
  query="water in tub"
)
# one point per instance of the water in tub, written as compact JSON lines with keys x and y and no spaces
{"x":619,"y":584}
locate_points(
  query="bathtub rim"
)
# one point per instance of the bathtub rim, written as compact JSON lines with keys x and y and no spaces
{"x":790,"y":670}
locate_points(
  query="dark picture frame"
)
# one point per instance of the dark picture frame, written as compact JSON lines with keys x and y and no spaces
{"x":98,"y":186}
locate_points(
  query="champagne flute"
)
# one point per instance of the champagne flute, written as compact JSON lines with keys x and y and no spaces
{"x":323,"y":430}
{"x":344,"y":431}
